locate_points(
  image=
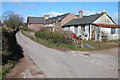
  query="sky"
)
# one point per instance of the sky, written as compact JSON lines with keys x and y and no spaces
{"x":38,"y":9}
{"x":61,"y":0}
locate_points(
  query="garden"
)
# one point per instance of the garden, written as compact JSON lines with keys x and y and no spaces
{"x":61,"y":41}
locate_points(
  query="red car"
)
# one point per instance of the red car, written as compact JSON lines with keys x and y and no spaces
{"x":70,"y":33}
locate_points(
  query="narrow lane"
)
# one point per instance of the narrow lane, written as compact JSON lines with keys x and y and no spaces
{"x":59,"y":64}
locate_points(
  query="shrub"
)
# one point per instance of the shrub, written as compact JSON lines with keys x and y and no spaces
{"x":105,"y":39}
{"x":5,"y":70}
{"x":79,"y":37}
{"x":11,"y":50}
{"x":54,"y":37}
{"x":24,"y":29}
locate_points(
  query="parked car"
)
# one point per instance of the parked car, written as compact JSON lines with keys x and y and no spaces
{"x":69,"y":33}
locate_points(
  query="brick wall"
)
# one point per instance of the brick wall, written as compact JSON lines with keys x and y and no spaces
{"x":68,"y":18}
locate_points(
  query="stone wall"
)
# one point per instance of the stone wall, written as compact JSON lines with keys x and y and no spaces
{"x":35,"y":27}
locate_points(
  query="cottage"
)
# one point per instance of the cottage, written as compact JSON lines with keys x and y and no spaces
{"x":93,"y":27}
{"x":54,"y":23}
{"x":35,"y":23}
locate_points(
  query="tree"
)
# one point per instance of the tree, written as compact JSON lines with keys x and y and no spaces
{"x":12,"y":20}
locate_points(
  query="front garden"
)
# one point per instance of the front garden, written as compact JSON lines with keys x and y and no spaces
{"x":60,"y":41}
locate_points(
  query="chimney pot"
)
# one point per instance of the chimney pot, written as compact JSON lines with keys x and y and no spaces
{"x":103,"y":12}
{"x":80,"y":13}
{"x":46,"y":16}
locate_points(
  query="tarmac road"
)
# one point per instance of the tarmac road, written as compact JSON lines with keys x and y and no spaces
{"x":59,"y":64}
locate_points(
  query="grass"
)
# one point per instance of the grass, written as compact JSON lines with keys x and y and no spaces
{"x":101,"y":45}
{"x":97,"y":45}
{"x":6,"y":68}
{"x":117,"y":40}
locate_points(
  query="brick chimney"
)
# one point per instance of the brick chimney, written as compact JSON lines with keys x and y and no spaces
{"x":46,"y":16}
{"x":80,"y":13}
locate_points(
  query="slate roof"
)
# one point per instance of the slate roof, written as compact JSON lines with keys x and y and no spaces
{"x":57,"y":18}
{"x":84,"y":20}
{"x":41,"y":20}
{"x":36,"y":20}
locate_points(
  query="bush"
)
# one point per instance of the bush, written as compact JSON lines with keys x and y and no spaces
{"x":5,"y":70}
{"x":105,"y":39}
{"x":79,"y":37}
{"x":54,"y":37}
{"x":24,"y":29}
{"x":11,"y":50}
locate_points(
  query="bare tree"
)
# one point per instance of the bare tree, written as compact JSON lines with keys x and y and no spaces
{"x":12,"y":20}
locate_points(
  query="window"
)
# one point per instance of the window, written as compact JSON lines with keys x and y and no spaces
{"x":67,"y":29}
{"x":112,"y":30}
{"x":117,"y":30}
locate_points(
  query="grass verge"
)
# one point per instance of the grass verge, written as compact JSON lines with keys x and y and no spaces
{"x":65,"y":47}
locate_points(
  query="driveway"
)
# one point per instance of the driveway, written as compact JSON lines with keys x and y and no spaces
{"x":59,"y":64}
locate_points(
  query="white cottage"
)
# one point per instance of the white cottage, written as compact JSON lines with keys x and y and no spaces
{"x":93,"y":27}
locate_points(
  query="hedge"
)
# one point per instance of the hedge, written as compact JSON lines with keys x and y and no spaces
{"x":54,"y":37}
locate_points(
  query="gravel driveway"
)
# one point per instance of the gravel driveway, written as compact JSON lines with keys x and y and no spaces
{"x":59,"y":64}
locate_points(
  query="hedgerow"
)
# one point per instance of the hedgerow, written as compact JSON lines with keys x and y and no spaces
{"x":54,"y":37}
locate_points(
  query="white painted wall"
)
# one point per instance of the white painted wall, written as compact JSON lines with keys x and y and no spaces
{"x":104,"y":19}
{"x":72,"y":29}
{"x":49,"y":25}
{"x":90,"y":32}
{"x":79,"y":30}
{"x":76,"y":30}
{"x":66,"y":28}
{"x":110,"y":36}
{"x":86,"y":32}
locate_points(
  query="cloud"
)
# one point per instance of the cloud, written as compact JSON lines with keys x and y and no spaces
{"x":28,"y":7}
{"x":24,"y":7}
{"x":115,"y":17}
{"x":84,"y":9}
{"x":77,"y":8}
{"x":16,"y":0}
{"x":87,"y":12}
{"x":53,"y":13}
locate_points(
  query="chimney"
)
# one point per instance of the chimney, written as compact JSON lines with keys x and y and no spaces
{"x":103,"y":12}
{"x":80,"y":14}
{"x":46,"y":16}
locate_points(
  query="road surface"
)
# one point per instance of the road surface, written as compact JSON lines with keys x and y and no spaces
{"x":59,"y":64}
